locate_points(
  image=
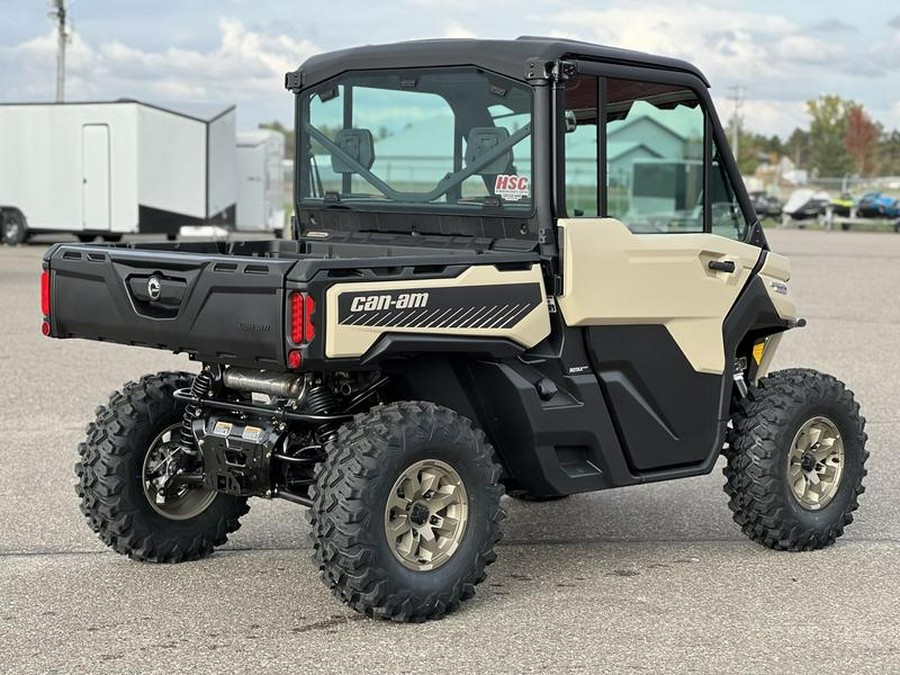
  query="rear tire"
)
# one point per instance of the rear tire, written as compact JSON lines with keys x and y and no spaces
{"x":112,"y":487}
{"x":797,"y":460}
{"x":387,"y":471}
{"x":112,"y":238}
{"x":86,"y":238}
{"x":14,"y":228}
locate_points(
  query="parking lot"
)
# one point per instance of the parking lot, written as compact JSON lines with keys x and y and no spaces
{"x":652,"y":578}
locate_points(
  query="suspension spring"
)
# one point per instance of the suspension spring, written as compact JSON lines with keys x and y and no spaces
{"x":320,"y":400}
{"x":200,"y":387}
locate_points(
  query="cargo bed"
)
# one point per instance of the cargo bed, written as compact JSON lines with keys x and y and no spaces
{"x":223,"y":302}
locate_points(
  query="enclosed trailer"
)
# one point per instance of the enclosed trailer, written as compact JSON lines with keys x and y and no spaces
{"x":260,"y":166}
{"x":114,"y":168}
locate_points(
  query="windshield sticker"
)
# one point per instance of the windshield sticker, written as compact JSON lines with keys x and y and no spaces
{"x":511,"y":188}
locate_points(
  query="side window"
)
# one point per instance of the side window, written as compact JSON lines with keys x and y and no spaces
{"x":725,"y":211}
{"x":581,"y":147}
{"x":654,"y":156}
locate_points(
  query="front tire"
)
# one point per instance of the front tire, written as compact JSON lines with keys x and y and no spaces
{"x":406,"y":511}
{"x":118,"y":500}
{"x":797,"y":460}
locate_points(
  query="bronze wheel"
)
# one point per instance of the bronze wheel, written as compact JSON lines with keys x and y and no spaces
{"x":816,"y":463}
{"x":426,"y":515}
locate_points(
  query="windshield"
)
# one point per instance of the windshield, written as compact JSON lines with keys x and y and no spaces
{"x":439,"y":139}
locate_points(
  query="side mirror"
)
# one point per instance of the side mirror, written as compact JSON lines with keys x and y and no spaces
{"x":571,"y":123}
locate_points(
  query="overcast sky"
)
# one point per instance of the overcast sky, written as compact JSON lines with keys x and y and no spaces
{"x":236,"y":51}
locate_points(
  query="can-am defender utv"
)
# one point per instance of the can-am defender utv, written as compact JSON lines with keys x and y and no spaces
{"x":524,"y":265}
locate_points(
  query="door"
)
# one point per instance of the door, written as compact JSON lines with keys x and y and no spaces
{"x":654,"y":265}
{"x":95,"y":177}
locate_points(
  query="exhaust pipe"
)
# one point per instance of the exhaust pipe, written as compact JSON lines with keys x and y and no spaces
{"x":281,"y":385}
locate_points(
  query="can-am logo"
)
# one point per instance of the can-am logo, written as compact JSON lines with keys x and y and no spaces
{"x":375,"y":303}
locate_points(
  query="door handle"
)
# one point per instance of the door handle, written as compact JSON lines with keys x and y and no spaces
{"x":722,"y":266}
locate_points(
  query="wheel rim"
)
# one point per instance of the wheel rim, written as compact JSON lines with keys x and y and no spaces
{"x":816,"y":463}
{"x":190,"y":500}
{"x":11,"y":230}
{"x":426,"y":514}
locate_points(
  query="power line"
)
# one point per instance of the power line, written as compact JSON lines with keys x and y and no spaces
{"x":58,"y":12}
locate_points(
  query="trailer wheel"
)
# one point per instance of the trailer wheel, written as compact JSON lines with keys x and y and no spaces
{"x":132,"y":434}
{"x":897,"y":226}
{"x":845,"y":226}
{"x":85,"y":238}
{"x":406,"y":511}
{"x":15,"y":229}
{"x":112,"y":238}
{"x":797,"y":460}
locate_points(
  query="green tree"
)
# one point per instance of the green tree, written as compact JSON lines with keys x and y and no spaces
{"x":889,"y":153}
{"x":826,"y":134}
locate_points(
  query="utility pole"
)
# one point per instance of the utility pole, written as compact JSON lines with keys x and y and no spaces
{"x":737,"y":96}
{"x":58,"y":12}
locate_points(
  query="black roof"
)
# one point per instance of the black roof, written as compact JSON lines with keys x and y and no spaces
{"x":506,"y":57}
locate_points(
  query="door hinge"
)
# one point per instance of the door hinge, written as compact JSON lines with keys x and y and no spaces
{"x":551,"y":304}
{"x":293,"y":81}
{"x":558,"y":71}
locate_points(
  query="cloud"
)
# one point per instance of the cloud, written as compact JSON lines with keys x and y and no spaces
{"x":456,"y":29}
{"x":244,"y":66}
{"x":895,"y":22}
{"x":808,"y":50}
{"x":833,"y":25}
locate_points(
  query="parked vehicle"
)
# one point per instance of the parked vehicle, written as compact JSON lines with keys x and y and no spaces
{"x":843,"y":205}
{"x":113,"y":168}
{"x":431,"y":339}
{"x":766,"y":205}
{"x":806,"y":204}
{"x":878,"y":205}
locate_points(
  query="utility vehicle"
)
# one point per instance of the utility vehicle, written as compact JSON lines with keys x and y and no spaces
{"x":462,"y":312}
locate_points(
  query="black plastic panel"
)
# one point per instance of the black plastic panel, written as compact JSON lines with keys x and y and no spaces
{"x":667,"y":413}
{"x":218,"y":308}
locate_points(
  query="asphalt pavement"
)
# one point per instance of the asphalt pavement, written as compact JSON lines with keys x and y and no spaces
{"x":652,"y":578}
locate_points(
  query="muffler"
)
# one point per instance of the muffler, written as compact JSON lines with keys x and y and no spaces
{"x":281,"y":385}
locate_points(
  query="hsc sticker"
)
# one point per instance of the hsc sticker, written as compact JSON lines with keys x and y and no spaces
{"x":511,"y":188}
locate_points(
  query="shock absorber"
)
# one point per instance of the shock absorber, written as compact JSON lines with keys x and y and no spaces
{"x":320,"y":399}
{"x":200,"y":387}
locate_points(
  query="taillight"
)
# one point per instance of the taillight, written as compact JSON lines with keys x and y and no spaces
{"x":297,"y":318}
{"x":303,"y":307}
{"x":309,"y":331}
{"x":45,"y":293}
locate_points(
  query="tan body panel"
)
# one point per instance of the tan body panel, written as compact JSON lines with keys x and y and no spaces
{"x":613,"y":277}
{"x":350,"y":341}
{"x":775,"y":273}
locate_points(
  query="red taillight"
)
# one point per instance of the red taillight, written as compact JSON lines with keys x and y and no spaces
{"x":309,"y":331}
{"x":294,"y":359}
{"x":302,"y":309}
{"x":297,"y":318}
{"x":45,"y":293}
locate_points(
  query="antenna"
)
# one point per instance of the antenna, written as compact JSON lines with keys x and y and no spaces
{"x":737,"y":96}
{"x":58,"y":12}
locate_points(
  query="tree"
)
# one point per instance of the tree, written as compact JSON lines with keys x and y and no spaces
{"x":797,"y":147}
{"x":889,"y":153}
{"x":861,"y":141}
{"x":826,"y":134}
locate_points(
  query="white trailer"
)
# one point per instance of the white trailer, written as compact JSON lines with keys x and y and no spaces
{"x":108,"y":169}
{"x":260,"y":160}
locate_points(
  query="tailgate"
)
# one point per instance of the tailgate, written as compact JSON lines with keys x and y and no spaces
{"x":216,"y":307}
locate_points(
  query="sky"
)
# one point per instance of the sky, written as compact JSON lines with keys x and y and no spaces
{"x":237,"y":51}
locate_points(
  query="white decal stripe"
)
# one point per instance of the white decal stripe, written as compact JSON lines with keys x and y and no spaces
{"x":487,"y":317}
{"x":432,"y":322}
{"x":472,"y":318}
{"x":504,"y":315}
{"x":514,"y":319}
{"x":449,"y":320}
